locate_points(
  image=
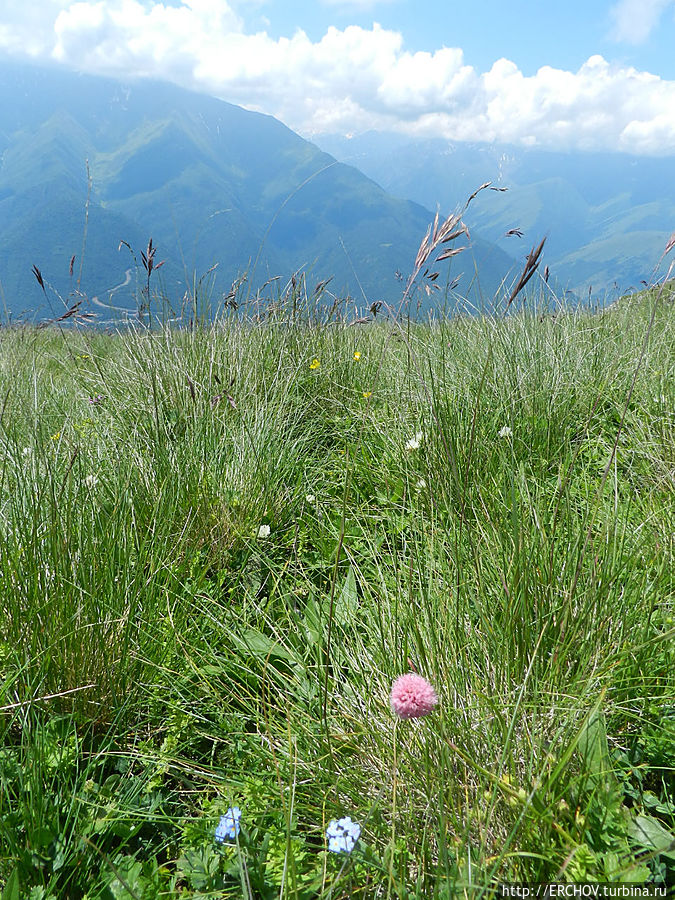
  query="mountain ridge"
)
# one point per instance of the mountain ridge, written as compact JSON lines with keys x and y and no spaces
{"x":606,"y":216}
{"x":212,"y":183}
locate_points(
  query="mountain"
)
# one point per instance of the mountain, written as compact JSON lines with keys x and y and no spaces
{"x":88,"y":163}
{"x":608,"y":216}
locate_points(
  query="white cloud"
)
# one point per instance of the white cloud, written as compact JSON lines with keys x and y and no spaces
{"x":352,"y":79}
{"x":144,"y":39}
{"x":27,"y":28}
{"x":634,"y":20}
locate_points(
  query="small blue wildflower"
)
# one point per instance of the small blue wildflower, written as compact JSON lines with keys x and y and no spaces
{"x":94,"y":401}
{"x":228,"y":827}
{"x":342,"y":835}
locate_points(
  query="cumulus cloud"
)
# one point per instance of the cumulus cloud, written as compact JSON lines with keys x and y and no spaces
{"x":634,"y":20}
{"x":145,"y":39}
{"x":354,"y":78}
{"x":27,"y":28}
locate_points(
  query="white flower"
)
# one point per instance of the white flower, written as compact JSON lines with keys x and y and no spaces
{"x":26,"y":452}
{"x":421,"y":484}
{"x":505,"y":432}
{"x":414,"y":442}
{"x":310,"y":498}
{"x":264,"y":531}
{"x":91,"y":481}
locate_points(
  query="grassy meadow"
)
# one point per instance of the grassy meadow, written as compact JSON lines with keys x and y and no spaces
{"x":220,"y":546}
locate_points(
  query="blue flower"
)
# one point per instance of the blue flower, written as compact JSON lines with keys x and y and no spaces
{"x":228,"y":827}
{"x":342,"y":835}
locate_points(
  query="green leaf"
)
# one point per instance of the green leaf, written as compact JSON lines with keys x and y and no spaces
{"x":348,"y":600}
{"x":593,"y":744}
{"x":200,"y":867}
{"x":127,"y":881}
{"x":41,"y":837}
{"x":12,"y":887}
{"x":261,"y":645}
{"x":649,"y":833}
{"x":651,"y":801}
{"x":313,"y":626}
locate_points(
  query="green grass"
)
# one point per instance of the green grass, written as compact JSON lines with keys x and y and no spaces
{"x":161,"y":662}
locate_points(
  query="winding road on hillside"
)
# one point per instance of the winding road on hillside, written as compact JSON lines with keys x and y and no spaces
{"x":118,"y":287}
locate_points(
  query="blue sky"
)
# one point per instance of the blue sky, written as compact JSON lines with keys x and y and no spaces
{"x":559,"y":74}
{"x":532,"y":33}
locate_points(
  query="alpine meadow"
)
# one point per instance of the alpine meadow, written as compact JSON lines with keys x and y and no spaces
{"x":311,"y":598}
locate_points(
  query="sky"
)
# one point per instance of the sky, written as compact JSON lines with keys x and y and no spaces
{"x":556,"y":74}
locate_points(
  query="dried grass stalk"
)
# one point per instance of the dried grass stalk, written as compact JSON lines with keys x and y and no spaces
{"x":531,"y":265}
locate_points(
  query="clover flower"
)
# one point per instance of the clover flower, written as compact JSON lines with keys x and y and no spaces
{"x":228,"y":827}
{"x":505,"y":432}
{"x":264,"y":531}
{"x":91,"y":481}
{"x":342,"y":835}
{"x":412,"y":696}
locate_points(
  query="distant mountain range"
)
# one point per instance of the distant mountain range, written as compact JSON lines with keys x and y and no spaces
{"x":211,"y":183}
{"x":608,"y":216}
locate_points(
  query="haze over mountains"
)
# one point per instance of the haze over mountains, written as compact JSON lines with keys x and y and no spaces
{"x":216,"y":185}
{"x":607,"y":216}
{"x":211,"y":183}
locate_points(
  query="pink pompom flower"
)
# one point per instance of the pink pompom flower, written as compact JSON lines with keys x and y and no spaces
{"x":412,"y":696}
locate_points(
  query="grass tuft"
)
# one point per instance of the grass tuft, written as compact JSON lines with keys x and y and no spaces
{"x":220,"y":546}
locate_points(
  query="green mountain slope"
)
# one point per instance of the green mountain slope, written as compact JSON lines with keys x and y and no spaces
{"x":607,"y":216}
{"x":211,"y":183}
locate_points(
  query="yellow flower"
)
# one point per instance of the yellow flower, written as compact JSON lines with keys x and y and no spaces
{"x":56,"y":435}
{"x":357,"y":355}
{"x":367,"y":394}
{"x":314,"y":363}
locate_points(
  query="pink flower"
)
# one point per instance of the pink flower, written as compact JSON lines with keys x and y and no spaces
{"x":412,"y":696}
